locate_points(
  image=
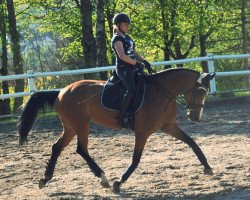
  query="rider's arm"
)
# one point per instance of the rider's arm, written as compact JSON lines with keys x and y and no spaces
{"x":120,"y":52}
{"x":138,"y":56}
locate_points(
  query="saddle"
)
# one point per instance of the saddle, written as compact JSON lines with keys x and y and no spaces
{"x":113,"y":92}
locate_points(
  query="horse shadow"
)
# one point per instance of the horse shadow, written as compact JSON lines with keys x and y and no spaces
{"x":237,"y":193}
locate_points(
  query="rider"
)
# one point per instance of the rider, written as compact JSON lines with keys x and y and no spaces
{"x":127,"y":60}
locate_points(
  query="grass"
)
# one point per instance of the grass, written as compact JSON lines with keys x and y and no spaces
{"x":229,"y":95}
{"x":15,"y":118}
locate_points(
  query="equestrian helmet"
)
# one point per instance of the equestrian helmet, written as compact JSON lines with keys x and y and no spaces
{"x":121,"y":17}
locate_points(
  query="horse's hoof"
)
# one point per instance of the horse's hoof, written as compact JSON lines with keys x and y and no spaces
{"x":116,"y":186}
{"x":42,"y":183}
{"x":104,"y":181}
{"x":104,"y":184}
{"x":208,"y":171}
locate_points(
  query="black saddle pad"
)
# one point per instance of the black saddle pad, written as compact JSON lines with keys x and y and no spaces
{"x":113,"y":93}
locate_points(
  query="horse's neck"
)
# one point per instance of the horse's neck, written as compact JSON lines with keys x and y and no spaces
{"x":178,"y":82}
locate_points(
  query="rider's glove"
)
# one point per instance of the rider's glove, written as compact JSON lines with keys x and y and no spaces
{"x":148,"y":67}
{"x":139,"y":65}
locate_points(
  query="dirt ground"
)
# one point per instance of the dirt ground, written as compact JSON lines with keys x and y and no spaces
{"x":168,"y":169}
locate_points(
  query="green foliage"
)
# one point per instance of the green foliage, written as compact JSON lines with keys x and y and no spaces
{"x":55,"y":26}
{"x":52,"y":35}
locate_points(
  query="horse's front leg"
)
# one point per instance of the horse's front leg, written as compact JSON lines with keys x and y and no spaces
{"x":140,"y":142}
{"x":175,"y":131}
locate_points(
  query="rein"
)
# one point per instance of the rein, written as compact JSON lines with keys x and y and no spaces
{"x":179,"y":99}
{"x":181,"y":102}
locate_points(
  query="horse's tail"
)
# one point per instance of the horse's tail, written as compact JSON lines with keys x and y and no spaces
{"x":36,"y":102}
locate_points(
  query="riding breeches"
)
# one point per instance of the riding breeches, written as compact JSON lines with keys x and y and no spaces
{"x":126,"y":75}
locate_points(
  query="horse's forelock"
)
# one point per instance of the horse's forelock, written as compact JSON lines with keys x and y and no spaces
{"x":201,"y":77}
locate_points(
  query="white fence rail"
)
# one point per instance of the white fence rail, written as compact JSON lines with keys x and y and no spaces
{"x":210,"y":59}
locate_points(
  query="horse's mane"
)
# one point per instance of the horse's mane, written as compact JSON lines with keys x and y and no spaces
{"x":171,"y":71}
{"x":152,"y":80}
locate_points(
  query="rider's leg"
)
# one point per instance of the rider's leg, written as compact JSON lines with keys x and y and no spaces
{"x":126,"y":75}
{"x":124,"y":107}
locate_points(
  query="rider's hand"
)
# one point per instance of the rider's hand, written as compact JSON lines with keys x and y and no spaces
{"x":148,"y":66}
{"x":151,"y":71}
{"x":139,"y":65}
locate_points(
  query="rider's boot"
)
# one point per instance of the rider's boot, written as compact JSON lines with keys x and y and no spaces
{"x":122,"y":116}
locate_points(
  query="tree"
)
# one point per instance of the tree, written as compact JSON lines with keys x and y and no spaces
{"x":15,"y":46}
{"x":4,"y":104}
{"x":71,"y":34}
{"x":88,"y":40}
{"x":101,"y":39}
{"x":110,"y":6}
{"x":209,"y":18}
{"x":178,"y":52}
{"x":184,"y":31}
{"x":168,"y":15}
{"x":245,"y":38}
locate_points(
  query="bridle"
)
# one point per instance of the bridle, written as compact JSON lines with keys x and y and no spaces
{"x":196,"y":90}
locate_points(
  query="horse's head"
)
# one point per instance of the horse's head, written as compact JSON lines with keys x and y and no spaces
{"x":195,"y":98}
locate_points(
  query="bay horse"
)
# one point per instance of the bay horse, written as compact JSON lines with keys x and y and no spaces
{"x":80,"y":102}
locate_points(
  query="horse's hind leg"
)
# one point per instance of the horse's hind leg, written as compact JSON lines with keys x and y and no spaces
{"x":57,"y":148}
{"x":175,"y":131}
{"x":82,"y":149}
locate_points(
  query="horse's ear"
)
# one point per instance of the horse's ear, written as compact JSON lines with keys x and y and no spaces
{"x":211,"y":75}
{"x":206,"y":77}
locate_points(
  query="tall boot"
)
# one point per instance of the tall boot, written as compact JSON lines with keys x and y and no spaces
{"x":122,"y":117}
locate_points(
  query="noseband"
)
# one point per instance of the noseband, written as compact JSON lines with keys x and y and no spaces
{"x":197,"y":89}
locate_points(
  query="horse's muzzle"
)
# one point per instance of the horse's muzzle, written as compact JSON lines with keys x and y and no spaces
{"x":194,"y":114}
{"x":194,"y":119}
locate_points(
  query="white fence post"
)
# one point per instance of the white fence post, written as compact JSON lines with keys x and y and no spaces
{"x":211,"y":69}
{"x":31,"y":81}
